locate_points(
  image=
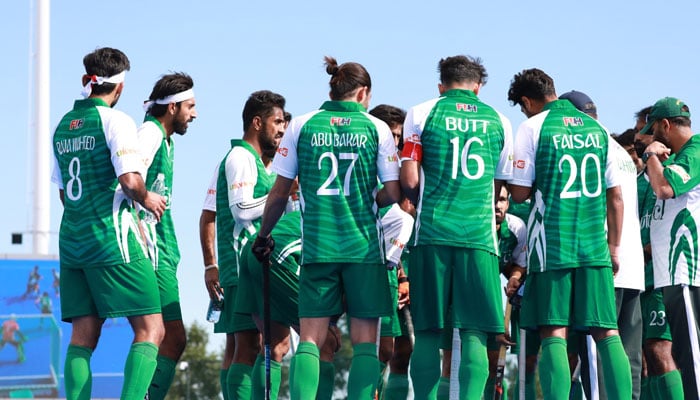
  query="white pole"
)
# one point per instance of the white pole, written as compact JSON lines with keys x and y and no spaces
{"x":41,"y":184}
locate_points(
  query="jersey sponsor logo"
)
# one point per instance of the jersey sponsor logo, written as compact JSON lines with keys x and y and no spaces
{"x":520,"y":164}
{"x":283,"y":151}
{"x":211,"y":192}
{"x":576,"y":141}
{"x":466,"y":107}
{"x":465,"y":124}
{"x":340,"y":121}
{"x":685,"y":177}
{"x":573,"y":121}
{"x":240,"y":185}
{"x":76,"y":124}
{"x":393,"y":158}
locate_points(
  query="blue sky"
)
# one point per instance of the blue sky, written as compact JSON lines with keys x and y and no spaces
{"x":625,"y":56}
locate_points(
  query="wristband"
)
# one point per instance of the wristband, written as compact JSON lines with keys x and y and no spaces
{"x":211,"y":266}
{"x":648,"y":154}
{"x":403,"y":279}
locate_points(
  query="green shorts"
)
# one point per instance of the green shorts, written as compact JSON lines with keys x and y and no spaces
{"x":654,"y":321}
{"x":230,"y":322}
{"x":391,"y":325}
{"x":576,"y":297}
{"x":169,"y":294}
{"x":365,"y":287}
{"x":121,"y":290}
{"x":284,"y":291}
{"x":466,"y":279}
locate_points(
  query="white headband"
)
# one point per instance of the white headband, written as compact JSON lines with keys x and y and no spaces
{"x":98,"y":80}
{"x":173,"y":98}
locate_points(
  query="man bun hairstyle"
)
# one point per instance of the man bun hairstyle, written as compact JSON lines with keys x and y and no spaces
{"x":345,"y":78}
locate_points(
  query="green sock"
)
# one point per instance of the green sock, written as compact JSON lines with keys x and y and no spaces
{"x":326,"y":381}
{"x":669,"y":386}
{"x":489,"y":388}
{"x":162,"y":378}
{"x":425,"y":364}
{"x":443,"y":392}
{"x":616,"y":368}
{"x":238,"y":382}
{"x":380,"y":381}
{"x":222,"y":381}
{"x":362,"y":379}
{"x":304,"y":372}
{"x":530,"y":386}
{"x":396,"y":387}
{"x":258,"y":378}
{"x":555,"y":376}
{"x":77,"y":377}
{"x":139,"y":369}
{"x":474,"y":367}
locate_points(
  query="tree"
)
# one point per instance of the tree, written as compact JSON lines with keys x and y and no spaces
{"x":197,"y":373}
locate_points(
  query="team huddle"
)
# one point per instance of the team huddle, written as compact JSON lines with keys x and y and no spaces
{"x":326,"y":214}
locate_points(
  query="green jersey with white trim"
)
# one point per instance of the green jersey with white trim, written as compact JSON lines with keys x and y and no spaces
{"x":243,"y":184}
{"x":93,"y":145}
{"x":512,"y":242}
{"x":675,"y":235}
{"x":338,"y":152}
{"x":646,"y":204}
{"x":162,"y":244}
{"x":466,"y":144}
{"x":565,"y":156}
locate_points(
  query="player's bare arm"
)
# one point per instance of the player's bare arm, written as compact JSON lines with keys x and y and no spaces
{"x":389,"y":194}
{"x":614,"y":217}
{"x":135,"y":189}
{"x":520,"y":193}
{"x":207,"y":237}
{"x":410,"y":180}
{"x":657,"y":153}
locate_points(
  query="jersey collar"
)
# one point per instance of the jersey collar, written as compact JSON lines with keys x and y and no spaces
{"x":460,"y":93}
{"x":332,"y":105}
{"x":90,"y":102}
{"x":559,"y":104}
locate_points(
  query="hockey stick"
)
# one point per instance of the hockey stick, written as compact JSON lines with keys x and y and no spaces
{"x":409,"y":323}
{"x":501,"y":366}
{"x":266,"y":324}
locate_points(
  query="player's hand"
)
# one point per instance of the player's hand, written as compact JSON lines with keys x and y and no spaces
{"x":154,"y":203}
{"x":504,"y":339}
{"x":512,"y":286}
{"x":615,"y":258}
{"x":211,"y":282}
{"x":660,"y":149}
{"x":262,"y":248}
{"x":404,"y":296}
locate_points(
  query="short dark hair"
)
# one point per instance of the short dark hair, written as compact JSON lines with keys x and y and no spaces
{"x":261,"y":104}
{"x":680,"y":121}
{"x":168,"y":85}
{"x":532,"y":83}
{"x":389,"y":114}
{"x":626,"y":138}
{"x":105,"y":62}
{"x":287,"y":116}
{"x":346,"y":77}
{"x":460,"y":69}
{"x":642,"y":114}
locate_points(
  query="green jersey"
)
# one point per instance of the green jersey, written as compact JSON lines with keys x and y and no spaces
{"x":512,"y":242}
{"x":646,"y":204}
{"x":338,"y":152}
{"x":675,"y":234}
{"x":462,"y":145}
{"x":565,"y":156}
{"x":93,"y":145}
{"x":241,"y":191}
{"x":159,"y":152}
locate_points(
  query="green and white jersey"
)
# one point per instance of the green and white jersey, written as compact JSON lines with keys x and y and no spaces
{"x":241,"y":191}
{"x":338,"y":152}
{"x":675,"y":235}
{"x":646,"y":203}
{"x":287,"y":234}
{"x":93,"y":145}
{"x":158,"y":153}
{"x":631,"y":256}
{"x":512,"y":243}
{"x":462,"y":145}
{"x":564,"y":156}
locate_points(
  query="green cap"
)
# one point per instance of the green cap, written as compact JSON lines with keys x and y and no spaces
{"x":668,"y":107}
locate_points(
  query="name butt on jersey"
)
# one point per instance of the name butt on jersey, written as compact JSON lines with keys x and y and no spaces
{"x":465,"y":124}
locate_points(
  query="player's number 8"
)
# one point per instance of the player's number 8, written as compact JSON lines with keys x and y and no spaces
{"x":74,"y":186}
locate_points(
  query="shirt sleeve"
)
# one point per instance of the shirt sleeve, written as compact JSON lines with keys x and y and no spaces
{"x":122,"y":141}
{"x":613,"y":175}
{"x":210,"y":198}
{"x":517,"y":226}
{"x":150,"y":139}
{"x":504,"y":171}
{"x":524,"y":155}
{"x":683,"y":173}
{"x":387,"y":157}
{"x":285,"y":161}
